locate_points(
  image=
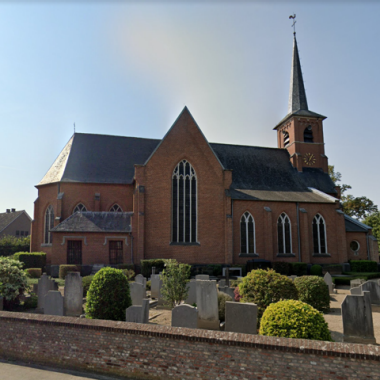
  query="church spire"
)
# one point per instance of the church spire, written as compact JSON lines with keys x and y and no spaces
{"x":297,"y":94}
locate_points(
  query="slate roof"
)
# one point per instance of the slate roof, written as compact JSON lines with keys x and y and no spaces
{"x":7,"y":218}
{"x":353,"y":225}
{"x":318,"y":179}
{"x":96,"y":222}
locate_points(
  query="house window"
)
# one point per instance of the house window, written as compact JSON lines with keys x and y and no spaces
{"x":22,"y":233}
{"x":49,"y":224}
{"x":116,"y":208}
{"x":247,"y":234}
{"x":184,"y":203}
{"x":319,"y":234}
{"x":355,"y":246}
{"x":116,"y":252}
{"x":286,"y":139}
{"x":79,"y":208}
{"x":308,"y":135}
{"x":17,"y":233}
{"x":284,"y":231}
{"x":74,"y":252}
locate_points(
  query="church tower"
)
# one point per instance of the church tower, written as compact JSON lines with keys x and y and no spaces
{"x":301,"y":131}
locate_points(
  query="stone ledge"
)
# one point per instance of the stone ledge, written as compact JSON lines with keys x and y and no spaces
{"x":347,"y":350}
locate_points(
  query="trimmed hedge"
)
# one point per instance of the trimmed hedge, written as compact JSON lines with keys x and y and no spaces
{"x":299,"y":269}
{"x":363,"y":266}
{"x":294,"y":319}
{"x":126,"y":266}
{"x":282,"y":267}
{"x":316,"y":270}
{"x":63,"y":269}
{"x":34,"y":272}
{"x":146,"y":266}
{"x":313,"y":291}
{"x":222,"y":299}
{"x":31,"y":259}
{"x":342,"y":280}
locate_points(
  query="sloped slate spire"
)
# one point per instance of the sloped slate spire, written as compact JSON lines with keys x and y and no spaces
{"x":297,"y":94}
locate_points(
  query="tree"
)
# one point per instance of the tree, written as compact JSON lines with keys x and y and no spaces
{"x":356,"y":207}
{"x":175,"y":278}
{"x":374,"y":222}
{"x":9,"y":245}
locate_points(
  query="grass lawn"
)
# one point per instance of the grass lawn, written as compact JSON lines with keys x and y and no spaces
{"x":32,"y":281}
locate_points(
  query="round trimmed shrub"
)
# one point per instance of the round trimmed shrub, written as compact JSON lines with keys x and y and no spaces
{"x":294,"y":319}
{"x":222,"y":299}
{"x":316,"y":270}
{"x":86,"y":282}
{"x":108,"y":296}
{"x":314,"y":291}
{"x":64,"y":269}
{"x":264,"y":287}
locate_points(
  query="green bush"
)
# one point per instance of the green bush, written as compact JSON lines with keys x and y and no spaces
{"x":294,"y":319}
{"x":313,"y":291}
{"x":148,"y":285}
{"x":31,"y":259}
{"x":31,"y":302}
{"x":316,"y":270}
{"x":108,"y":296}
{"x":9,"y":245}
{"x":264,"y":287}
{"x":364,"y":275}
{"x":342,"y":280}
{"x":86,"y":282}
{"x":130,"y":273}
{"x":126,"y":266}
{"x":146,"y":266}
{"x":63,"y":269}
{"x":222,"y":299}
{"x":363,"y":266}
{"x":299,"y":269}
{"x":282,"y":267}
{"x":34,"y":272}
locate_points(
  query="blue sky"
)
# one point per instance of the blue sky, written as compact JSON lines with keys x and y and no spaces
{"x":128,"y":68}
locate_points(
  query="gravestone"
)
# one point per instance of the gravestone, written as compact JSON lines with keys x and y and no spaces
{"x":202,"y":277}
{"x":228,"y":290}
{"x":155,"y":284}
{"x":54,"y":271}
{"x":192,"y":294}
{"x":73,"y":300}
{"x":138,"y":314}
{"x":138,"y":293}
{"x":357,"y":319}
{"x":1,"y":303}
{"x":53,"y":303}
{"x":357,"y":282}
{"x":185,"y":316}
{"x":207,"y":305}
{"x":35,"y":288}
{"x":145,"y":311}
{"x":44,"y":285}
{"x":329,"y":282}
{"x":241,"y":317}
{"x":370,"y":286}
{"x":140,"y":279}
{"x":222,"y":283}
{"x":292,"y":277}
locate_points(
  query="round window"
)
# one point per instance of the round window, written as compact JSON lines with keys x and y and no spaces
{"x":354,"y":245}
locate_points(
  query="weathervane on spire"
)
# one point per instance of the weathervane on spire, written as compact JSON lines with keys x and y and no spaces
{"x":294,"y":22}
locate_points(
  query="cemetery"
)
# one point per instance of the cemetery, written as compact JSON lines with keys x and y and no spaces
{"x":306,"y":311}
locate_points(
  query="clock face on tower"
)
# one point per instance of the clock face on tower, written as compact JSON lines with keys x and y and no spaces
{"x":309,"y":159}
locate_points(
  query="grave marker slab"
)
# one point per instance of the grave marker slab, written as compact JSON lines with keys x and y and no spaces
{"x":185,"y":316}
{"x":228,"y":290}
{"x":207,"y":305}
{"x":44,"y":285}
{"x":241,"y":317}
{"x":145,"y":311}
{"x":73,"y":300}
{"x":140,"y":279}
{"x":329,"y":282}
{"x":370,"y":286}
{"x":53,"y":303}
{"x":357,"y":282}
{"x":155,"y":286}
{"x":138,"y":293}
{"x":204,"y":277}
{"x":133,"y":314}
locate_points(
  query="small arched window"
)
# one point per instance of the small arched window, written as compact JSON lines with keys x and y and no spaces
{"x":308,"y":134}
{"x":49,"y":224}
{"x":247,"y":234}
{"x":79,"y":208}
{"x":286,"y":138}
{"x":319,"y":234}
{"x":284,"y":232}
{"x":116,"y":208}
{"x":184,"y":203}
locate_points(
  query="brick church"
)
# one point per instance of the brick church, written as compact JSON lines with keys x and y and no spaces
{"x":112,"y":200}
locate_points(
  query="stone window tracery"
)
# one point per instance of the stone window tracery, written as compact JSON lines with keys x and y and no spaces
{"x":116,"y":208}
{"x":247,"y":234}
{"x":49,"y":224}
{"x":79,"y":208}
{"x":284,"y":232}
{"x":319,"y":234}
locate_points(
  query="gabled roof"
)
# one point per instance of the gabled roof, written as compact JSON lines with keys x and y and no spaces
{"x":96,"y":222}
{"x":353,"y":225}
{"x":8,"y":218}
{"x":318,"y":179}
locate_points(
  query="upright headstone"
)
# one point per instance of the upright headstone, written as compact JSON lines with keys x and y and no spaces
{"x":204,"y":277}
{"x":140,"y":279}
{"x":241,"y":317}
{"x":357,"y":282}
{"x":207,"y":305}
{"x":185,"y":316}
{"x":228,"y":290}
{"x":357,"y":319}
{"x":192,"y":294}
{"x":155,"y":283}
{"x":54,"y":271}
{"x":222,"y":283}
{"x":138,"y":293}
{"x":370,"y":286}
{"x":227,"y":276}
{"x":145,"y":311}
{"x":73,"y":300}
{"x":44,"y":285}
{"x":329,"y":282}
{"x":53,"y":303}
{"x":133,"y":314}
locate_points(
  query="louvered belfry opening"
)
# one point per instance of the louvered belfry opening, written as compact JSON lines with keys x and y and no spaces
{"x":308,"y":135}
{"x":184,"y":206}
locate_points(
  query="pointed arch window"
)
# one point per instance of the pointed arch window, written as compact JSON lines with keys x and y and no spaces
{"x":308,"y":135}
{"x":49,"y":224}
{"x":284,"y":231}
{"x":247,"y":234}
{"x":184,"y":203}
{"x":286,"y":139}
{"x":80,"y":207}
{"x":319,"y":234}
{"x":116,"y":208}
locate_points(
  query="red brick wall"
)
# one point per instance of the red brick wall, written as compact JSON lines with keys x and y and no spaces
{"x":159,"y":352}
{"x":361,"y":238}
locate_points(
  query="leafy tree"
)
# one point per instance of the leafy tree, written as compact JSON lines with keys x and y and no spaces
{"x":175,"y":278}
{"x":373,"y":221}
{"x":356,"y":207}
{"x":11,"y":244}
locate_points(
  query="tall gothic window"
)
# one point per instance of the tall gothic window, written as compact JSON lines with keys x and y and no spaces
{"x":49,"y":224}
{"x":284,"y":231}
{"x":184,"y":206}
{"x":79,"y":208}
{"x":319,"y":234}
{"x":247,"y":234}
{"x":308,"y":135}
{"x":116,"y":208}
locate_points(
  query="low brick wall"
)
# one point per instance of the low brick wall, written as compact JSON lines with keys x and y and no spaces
{"x":158,"y":352}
